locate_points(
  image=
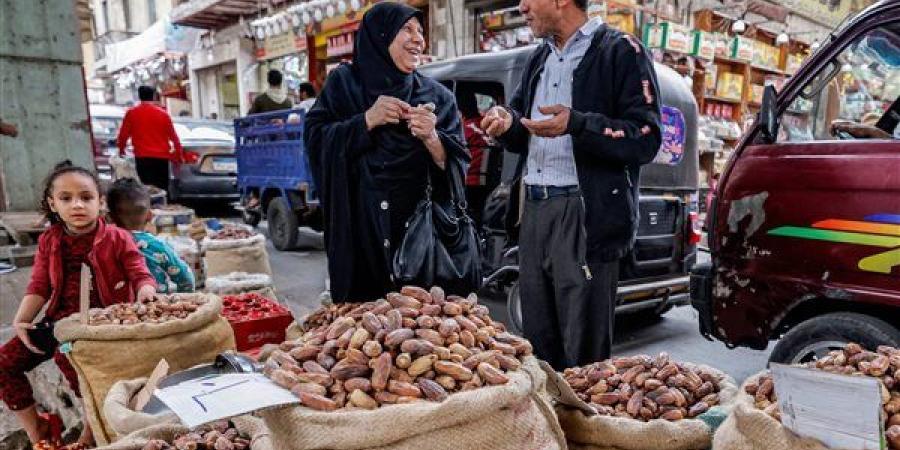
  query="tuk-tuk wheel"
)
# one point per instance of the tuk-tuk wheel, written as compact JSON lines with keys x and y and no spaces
{"x":284,"y":226}
{"x":514,"y":309}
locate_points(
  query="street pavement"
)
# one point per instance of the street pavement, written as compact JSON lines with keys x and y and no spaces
{"x":299,"y":278}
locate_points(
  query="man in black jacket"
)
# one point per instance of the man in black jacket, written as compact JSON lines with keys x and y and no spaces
{"x":584,"y":118}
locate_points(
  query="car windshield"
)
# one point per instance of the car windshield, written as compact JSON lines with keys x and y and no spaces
{"x":206,"y":130}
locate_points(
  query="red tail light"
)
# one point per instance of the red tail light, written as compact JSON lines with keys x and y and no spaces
{"x":191,"y":157}
{"x":696,"y":232}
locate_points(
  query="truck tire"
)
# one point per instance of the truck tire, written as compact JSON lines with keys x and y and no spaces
{"x":815,"y":337}
{"x":514,"y":309}
{"x":284,"y":226}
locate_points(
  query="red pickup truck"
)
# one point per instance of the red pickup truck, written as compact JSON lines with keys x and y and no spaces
{"x":804,"y":225}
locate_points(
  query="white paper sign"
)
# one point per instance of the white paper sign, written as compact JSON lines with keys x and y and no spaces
{"x":841,"y":411}
{"x":218,"y":397}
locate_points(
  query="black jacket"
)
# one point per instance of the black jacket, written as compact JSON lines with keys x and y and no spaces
{"x":615,"y":128}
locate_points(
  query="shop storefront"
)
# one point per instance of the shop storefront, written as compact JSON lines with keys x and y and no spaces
{"x":223,"y":75}
{"x":286,"y":52}
{"x":498,"y":25}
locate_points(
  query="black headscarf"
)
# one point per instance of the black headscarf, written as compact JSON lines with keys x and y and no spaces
{"x":371,"y":58}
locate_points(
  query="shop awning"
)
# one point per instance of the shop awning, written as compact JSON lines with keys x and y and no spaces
{"x":216,"y":14}
{"x":161,"y":37}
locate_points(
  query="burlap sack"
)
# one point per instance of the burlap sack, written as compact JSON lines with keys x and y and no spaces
{"x":748,"y":428}
{"x":121,"y":418}
{"x":236,"y":255}
{"x":587,"y":431}
{"x":515,"y":416}
{"x":105,"y":354}
{"x":241,"y":282}
{"x":249,"y":426}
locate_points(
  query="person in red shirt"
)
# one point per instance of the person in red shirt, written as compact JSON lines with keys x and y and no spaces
{"x":78,"y":235}
{"x":478,"y":185}
{"x":153,"y":137}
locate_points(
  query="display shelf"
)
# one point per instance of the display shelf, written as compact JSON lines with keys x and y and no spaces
{"x":770,"y":70}
{"x":716,"y":98}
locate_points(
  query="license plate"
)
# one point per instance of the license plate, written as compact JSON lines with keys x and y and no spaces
{"x":224,"y":165}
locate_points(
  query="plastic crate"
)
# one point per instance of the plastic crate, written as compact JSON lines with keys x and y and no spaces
{"x":256,"y":320}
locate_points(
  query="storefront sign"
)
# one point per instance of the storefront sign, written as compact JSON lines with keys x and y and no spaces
{"x":281,"y":45}
{"x":673,"y":137}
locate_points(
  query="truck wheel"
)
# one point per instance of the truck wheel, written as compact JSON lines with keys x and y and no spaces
{"x":283,"y":224}
{"x":514,"y":309}
{"x":814,"y":338}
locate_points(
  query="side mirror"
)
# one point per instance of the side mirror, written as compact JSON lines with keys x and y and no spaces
{"x":768,"y":118}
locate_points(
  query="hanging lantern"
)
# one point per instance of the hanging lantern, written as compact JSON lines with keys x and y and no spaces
{"x":354,"y":5}
{"x":342,"y":6}
{"x":329,"y":10}
{"x":306,"y":17}
{"x":318,"y":15}
{"x":295,"y":20}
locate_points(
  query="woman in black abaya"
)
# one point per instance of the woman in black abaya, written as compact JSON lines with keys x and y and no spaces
{"x":373,"y":141}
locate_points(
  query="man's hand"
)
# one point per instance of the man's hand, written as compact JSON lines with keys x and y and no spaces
{"x":386,"y":110}
{"x":497,"y":121}
{"x":552,"y":127}
{"x":22,"y":329}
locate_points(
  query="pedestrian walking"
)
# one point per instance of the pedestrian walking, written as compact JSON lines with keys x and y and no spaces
{"x":274,"y":99}
{"x":580,"y":165}
{"x":153,"y":137}
{"x":307,"y":96}
{"x":373,"y":142}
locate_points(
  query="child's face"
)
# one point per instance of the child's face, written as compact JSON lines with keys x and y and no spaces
{"x":75,"y":198}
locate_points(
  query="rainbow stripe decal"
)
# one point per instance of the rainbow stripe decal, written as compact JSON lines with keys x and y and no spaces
{"x":879,"y":230}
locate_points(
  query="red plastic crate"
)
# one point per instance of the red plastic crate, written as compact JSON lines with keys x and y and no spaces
{"x":256,"y":320}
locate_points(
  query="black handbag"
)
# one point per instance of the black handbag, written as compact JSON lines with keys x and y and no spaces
{"x":440,"y":247}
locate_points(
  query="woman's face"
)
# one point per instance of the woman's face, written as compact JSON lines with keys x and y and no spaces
{"x":408,"y":46}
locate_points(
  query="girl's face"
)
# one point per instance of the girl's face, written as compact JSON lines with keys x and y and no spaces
{"x":408,"y":46}
{"x":76,"y":199}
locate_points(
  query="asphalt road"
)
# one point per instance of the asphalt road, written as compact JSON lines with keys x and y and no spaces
{"x":300,"y":278}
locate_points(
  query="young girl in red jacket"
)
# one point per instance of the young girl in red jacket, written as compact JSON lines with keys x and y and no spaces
{"x":78,"y":235}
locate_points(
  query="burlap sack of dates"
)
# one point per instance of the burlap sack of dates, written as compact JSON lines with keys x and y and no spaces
{"x":241,"y":282}
{"x":514,"y":416}
{"x":105,"y":354}
{"x":249,"y":426}
{"x":118,"y":412}
{"x":585,"y":430}
{"x":749,"y":428}
{"x":224,"y":256}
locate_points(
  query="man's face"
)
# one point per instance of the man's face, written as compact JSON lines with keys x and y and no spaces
{"x":542,"y":16}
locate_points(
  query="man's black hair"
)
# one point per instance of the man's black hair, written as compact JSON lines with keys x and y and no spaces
{"x":308,"y":89}
{"x":146,"y":93}
{"x":274,"y":77}
{"x":581,"y":4}
{"x":128,"y":202}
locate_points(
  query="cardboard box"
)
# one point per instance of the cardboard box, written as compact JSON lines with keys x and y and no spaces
{"x":704,"y":45}
{"x":794,"y":61}
{"x":722,"y":45}
{"x":730,"y":86}
{"x":668,"y":36}
{"x":756,"y":93}
{"x":741,"y":48}
{"x":765,"y":55}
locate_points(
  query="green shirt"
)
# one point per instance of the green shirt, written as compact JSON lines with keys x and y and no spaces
{"x":164,"y":263}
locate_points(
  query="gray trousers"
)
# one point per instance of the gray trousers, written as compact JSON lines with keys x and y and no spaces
{"x":568,"y":301}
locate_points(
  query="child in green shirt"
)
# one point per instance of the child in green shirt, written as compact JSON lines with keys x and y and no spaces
{"x":129,"y":207}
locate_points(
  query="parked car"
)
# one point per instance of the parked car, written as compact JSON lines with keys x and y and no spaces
{"x":210,"y":168}
{"x":105,"y":123}
{"x":804,"y":226}
{"x":654,"y":276}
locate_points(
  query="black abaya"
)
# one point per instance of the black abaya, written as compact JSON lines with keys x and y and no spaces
{"x":370,"y":181}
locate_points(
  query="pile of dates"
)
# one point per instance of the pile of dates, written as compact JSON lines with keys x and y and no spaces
{"x":414,"y":345}
{"x":219,"y":435}
{"x":231,"y":232}
{"x":883,"y":364}
{"x":645,"y":388}
{"x":326,"y":315}
{"x":163,"y":308}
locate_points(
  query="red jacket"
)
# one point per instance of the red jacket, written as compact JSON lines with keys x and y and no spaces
{"x":150,"y":129}
{"x":117,"y":265}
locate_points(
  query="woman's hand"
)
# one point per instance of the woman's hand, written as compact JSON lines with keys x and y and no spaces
{"x":22,"y":329}
{"x":422,"y":123}
{"x":386,"y":110}
{"x":146,"y":293}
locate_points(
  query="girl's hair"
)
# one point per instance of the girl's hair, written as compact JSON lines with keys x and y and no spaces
{"x":62,"y":168}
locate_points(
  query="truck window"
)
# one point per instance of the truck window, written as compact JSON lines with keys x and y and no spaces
{"x":852,"y":95}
